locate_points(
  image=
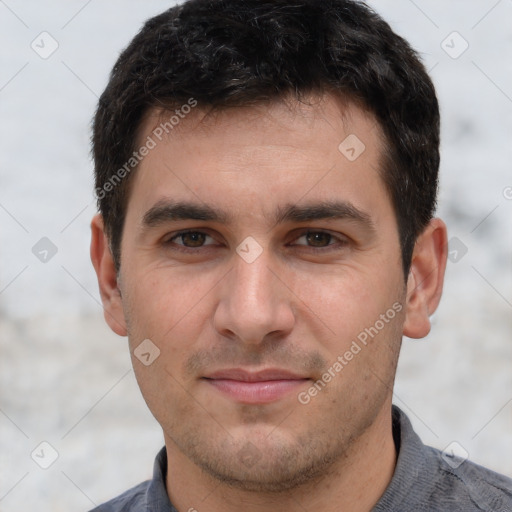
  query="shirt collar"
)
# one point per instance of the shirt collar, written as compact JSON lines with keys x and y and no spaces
{"x":156,"y":494}
{"x":414,"y":465}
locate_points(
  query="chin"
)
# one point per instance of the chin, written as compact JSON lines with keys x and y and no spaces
{"x":266,"y":468}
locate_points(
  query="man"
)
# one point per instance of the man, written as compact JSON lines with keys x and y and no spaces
{"x":266,"y":174}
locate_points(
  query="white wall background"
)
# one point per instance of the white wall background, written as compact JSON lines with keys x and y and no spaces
{"x":66,"y":380}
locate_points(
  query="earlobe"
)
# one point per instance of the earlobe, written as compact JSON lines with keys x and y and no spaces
{"x":425,"y":280}
{"x":103,"y":262}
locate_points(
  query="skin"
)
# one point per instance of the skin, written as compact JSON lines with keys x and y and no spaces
{"x":298,"y":306}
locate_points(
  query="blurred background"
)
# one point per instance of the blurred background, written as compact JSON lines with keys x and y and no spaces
{"x":74,"y":429}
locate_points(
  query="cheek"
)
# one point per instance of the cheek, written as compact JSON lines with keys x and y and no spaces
{"x":158,"y":300}
{"x":171,"y":310}
{"x":345,"y":300}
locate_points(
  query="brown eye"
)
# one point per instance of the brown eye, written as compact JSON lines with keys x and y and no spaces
{"x":321,"y":240}
{"x":191,"y":239}
{"x":318,"y":238}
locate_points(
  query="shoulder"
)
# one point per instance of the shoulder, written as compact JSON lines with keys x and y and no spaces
{"x":132,"y":499}
{"x":429,"y":480}
{"x":469,"y":485}
{"x":150,"y":495}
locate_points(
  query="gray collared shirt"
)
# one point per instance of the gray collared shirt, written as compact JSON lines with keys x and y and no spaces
{"x":424,"y":481}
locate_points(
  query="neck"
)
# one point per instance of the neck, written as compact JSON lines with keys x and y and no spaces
{"x":355,"y":483}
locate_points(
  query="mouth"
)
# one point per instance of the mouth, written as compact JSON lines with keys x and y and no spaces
{"x":260,"y":387}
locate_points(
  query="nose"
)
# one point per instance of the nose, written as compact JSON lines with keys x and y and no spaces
{"x":255,"y":304}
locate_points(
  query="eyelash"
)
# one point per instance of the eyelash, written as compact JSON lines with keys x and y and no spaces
{"x":342,"y":241}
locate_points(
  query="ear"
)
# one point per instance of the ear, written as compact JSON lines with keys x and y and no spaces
{"x":425,"y":280}
{"x":103,"y":263}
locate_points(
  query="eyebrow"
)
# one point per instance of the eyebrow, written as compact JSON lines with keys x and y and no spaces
{"x":168,"y":211}
{"x":323,"y":210}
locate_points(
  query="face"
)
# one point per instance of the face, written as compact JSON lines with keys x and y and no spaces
{"x":262,"y":261}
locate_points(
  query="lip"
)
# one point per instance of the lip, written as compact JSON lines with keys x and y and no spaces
{"x":259,"y":387}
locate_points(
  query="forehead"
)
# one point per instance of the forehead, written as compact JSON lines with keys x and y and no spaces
{"x":262,"y":156}
{"x":297,"y":121}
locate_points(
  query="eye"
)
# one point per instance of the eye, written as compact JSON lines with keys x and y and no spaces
{"x":315,"y":240}
{"x":190,"y":239}
{"x":320,"y":239}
